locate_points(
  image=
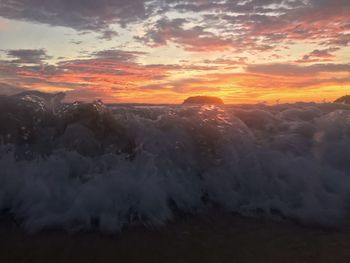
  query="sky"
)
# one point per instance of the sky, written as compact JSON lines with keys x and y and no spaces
{"x":163,"y":51}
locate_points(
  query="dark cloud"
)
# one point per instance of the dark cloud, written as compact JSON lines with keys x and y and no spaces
{"x":27,"y":56}
{"x":108,"y":34}
{"x":261,"y":6}
{"x":118,"y":55}
{"x":75,"y":42}
{"x":266,"y":25}
{"x":7,"y":89}
{"x":318,"y":55}
{"x":195,"y":38}
{"x":254,"y":25}
{"x":296,"y":70}
{"x":78,"y":14}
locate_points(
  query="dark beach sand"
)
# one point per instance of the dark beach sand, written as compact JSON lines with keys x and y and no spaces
{"x":216,"y":237}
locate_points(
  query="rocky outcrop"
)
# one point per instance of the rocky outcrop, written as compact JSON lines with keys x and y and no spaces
{"x":204,"y":100}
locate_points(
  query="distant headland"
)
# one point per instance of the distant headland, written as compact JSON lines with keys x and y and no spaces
{"x":203,"y":100}
{"x":344,"y":100}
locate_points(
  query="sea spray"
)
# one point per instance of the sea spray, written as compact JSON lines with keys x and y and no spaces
{"x":82,"y":166}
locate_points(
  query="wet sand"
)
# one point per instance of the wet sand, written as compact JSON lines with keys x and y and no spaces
{"x":216,"y":237}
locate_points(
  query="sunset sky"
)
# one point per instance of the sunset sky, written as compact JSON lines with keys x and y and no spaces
{"x":162,"y":51}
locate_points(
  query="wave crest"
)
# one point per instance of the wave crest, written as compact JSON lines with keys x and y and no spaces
{"x":81,"y":166}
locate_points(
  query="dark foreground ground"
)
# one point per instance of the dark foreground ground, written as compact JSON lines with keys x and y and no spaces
{"x":214,"y":238}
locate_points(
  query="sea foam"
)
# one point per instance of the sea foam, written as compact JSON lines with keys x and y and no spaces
{"x":83,"y":166}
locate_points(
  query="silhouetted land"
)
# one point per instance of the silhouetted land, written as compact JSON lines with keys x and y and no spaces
{"x":203,"y":100}
{"x":344,"y":99}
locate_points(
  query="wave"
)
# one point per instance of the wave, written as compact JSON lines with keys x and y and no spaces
{"x":82,"y":166}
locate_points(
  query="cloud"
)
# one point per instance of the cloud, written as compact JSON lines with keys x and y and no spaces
{"x":108,"y":34}
{"x":267,"y":25}
{"x":199,"y":25}
{"x":194,"y":38}
{"x":3,"y":24}
{"x":187,"y":85}
{"x":76,"y":42}
{"x":78,"y":14}
{"x":105,"y":73}
{"x":118,"y":55}
{"x":296,"y":70}
{"x":27,"y":56}
{"x":7,"y":89}
{"x":115,"y":75}
{"x":318,"y":55}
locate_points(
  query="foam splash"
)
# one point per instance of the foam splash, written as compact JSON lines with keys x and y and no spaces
{"x":84,"y":166}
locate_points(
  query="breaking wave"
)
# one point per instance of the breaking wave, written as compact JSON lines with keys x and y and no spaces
{"x":82,"y":166}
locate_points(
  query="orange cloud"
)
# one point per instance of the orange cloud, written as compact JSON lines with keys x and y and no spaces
{"x":115,"y":76}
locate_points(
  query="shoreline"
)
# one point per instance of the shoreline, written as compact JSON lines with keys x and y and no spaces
{"x":214,"y":237}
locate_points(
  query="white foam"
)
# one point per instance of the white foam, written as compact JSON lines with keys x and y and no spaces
{"x":292,"y":163}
